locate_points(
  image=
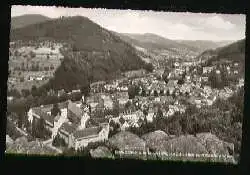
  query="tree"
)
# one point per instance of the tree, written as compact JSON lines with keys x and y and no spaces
{"x":55,"y":110}
{"x":21,"y":79}
{"x":128,"y":104}
{"x":58,"y":141}
{"x":181,"y":81}
{"x":114,"y":128}
{"x":34,"y":91}
{"x":46,"y":68}
{"x":149,"y":67}
{"x":32,"y":54}
{"x":122,"y":120}
{"x":133,"y":91}
{"x":51,"y":67}
{"x":22,"y":67}
{"x":85,"y":89}
{"x":116,"y":108}
{"x":143,"y":92}
{"x":156,"y":93}
{"x":145,"y":111}
{"x":40,"y":131}
{"x":165,"y":74}
{"x":14,"y":93}
{"x":158,"y":120}
{"x":215,"y":80}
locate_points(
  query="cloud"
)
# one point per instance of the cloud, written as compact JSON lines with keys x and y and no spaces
{"x":219,"y":23}
{"x":192,"y":26}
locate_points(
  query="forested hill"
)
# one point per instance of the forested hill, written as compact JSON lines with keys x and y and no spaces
{"x":93,"y":53}
{"x":231,"y":52}
{"x":25,"y":20}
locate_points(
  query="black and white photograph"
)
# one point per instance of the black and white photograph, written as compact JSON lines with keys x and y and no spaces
{"x":125,"y":84}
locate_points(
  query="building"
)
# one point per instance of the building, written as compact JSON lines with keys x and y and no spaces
{"x":207,"y":70}
{"x":135,"y":73}
{"x":71,"y":123}
{"x":81,"y":138}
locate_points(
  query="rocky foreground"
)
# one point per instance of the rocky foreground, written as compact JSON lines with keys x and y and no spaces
{"x":159,"y":141}
{"x":153,"y":142}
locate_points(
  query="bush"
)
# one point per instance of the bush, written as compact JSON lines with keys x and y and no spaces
{"x":149,"y":67}
{"x":58,"y":141}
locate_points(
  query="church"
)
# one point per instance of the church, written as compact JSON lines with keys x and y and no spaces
{"x":71,"y":123}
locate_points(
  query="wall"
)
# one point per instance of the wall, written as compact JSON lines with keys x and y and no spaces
{"x":85,"y":141}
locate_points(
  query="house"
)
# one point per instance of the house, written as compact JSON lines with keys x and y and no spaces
{"x":77,"y":138}
{"x":135,"y":73}
{"x":150,"y":116}
{"x":76,"y":91}
{"x":217,"y":71}
{"x":167,"y":99}
{"x":108,"y":102}
{"x":176,"y":64}
{"x":60,"y":92}
{"x":236,"y":72}
{"x":204,"y":79}
{"x":97,"y":86}
{"x":81,"y":138}
{"x":236,"y":64}
{"x":170,"y":112}
{"x":207,"y":70}
{"x":124,"y":126}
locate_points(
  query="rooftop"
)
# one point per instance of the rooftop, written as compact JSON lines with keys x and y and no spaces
{"x":87,"y":132}
{"x":68,"y":127}
{"x":43,"y":115}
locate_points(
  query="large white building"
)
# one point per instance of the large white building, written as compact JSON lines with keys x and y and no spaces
{"x":71,"y":123}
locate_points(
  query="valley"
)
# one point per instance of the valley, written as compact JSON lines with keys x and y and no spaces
{"x":85,"y":90}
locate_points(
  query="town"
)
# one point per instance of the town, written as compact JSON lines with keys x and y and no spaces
{"x":127,"y":102}
{"x":77,"y":87}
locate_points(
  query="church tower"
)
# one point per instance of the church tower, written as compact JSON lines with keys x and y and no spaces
{"x":85,"y":113}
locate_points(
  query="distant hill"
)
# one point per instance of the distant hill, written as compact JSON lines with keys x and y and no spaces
{"x":153,"y":41}
{"x":203,"y":45}
{"x":25,"y":20}
{"x":93,"y":53}
{"x":234,"y":52}
{"x":158,"y":50}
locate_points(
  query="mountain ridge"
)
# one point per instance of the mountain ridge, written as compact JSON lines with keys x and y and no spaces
{"x":25,"y":20}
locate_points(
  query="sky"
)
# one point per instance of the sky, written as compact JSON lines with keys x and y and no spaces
{"x":171,"y":25}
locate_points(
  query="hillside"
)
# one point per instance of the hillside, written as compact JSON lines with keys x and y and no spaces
{"x":25,"y":20}
{"x":91,"y":53}
{"x":203,"y":45}
{"x":231,"y":52}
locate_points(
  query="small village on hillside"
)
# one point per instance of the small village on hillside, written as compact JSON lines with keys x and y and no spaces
{"x":102,"y":96}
